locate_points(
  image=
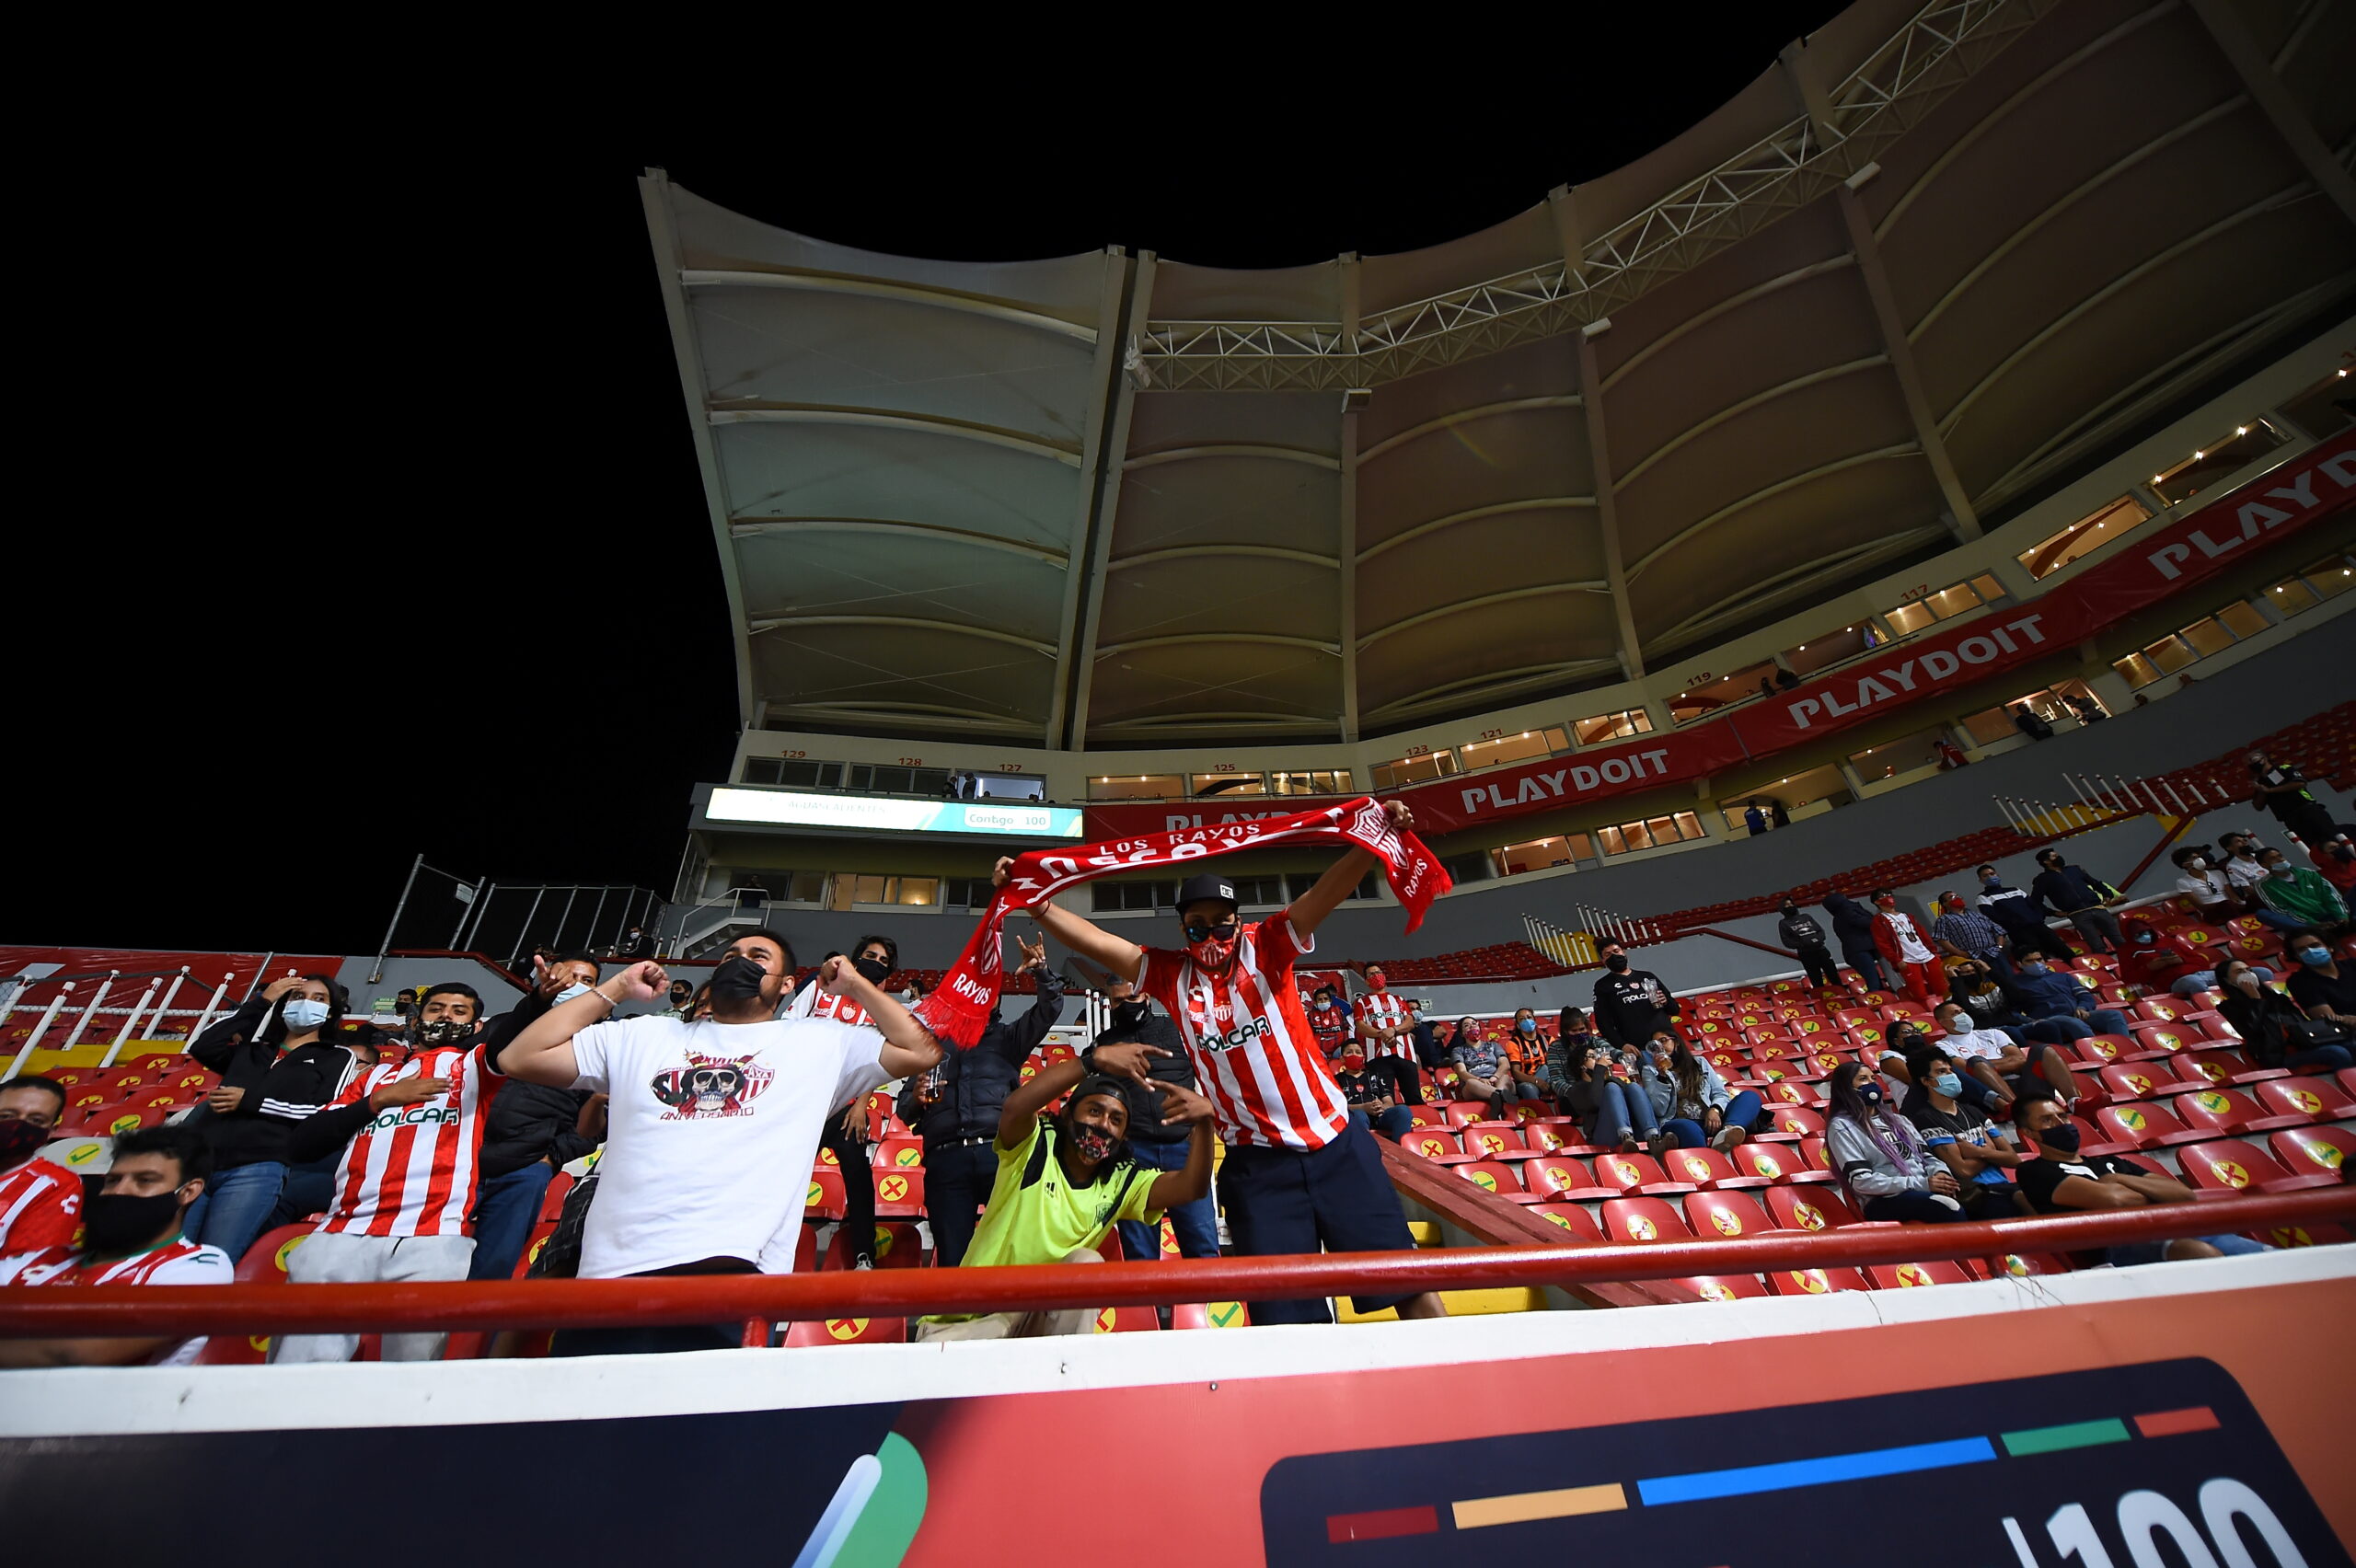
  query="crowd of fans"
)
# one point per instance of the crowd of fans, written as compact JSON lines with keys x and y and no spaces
{"x":427,"y":1153}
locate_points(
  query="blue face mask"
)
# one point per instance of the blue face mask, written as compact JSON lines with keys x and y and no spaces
{"x":304,"y":1013}
{"x":1948,"y":1084}
{"x":1528,"y":1026}
{"x":575,"y":989}
{"x":2315,"y":957}
{"x":1323,"y":1006}
{"x":2032,"y":969}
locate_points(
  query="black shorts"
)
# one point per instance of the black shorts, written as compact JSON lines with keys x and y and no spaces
{"x":1282,"y":1200}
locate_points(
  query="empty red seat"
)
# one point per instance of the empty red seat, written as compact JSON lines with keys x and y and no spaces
{"x":848,"y":1330}
{"x":2141,"y":1124}
{"x":2098,"y":1049}
{"x":1556,"y":1176}
{"x":1427,"y":1116}
{"x":1571,"y":1218}
{"x":1792,"y":1091}
{"x":825,"y":1199}
{"x":2229,"y":1111}
{"x":1635,"y":1173}
{"x":1643,"y":1219}
{"x":1727,"y":1215}
{"x":2230,"y":1165}
{"x":1907,"y":1276}
{"x":2022,"y":1264}
{"x":899,"y":1151}
{"x":1432,"y":1143}
{"x":1808,"y":1208}
{"x":899,"y":1191}
{"x":1709,"y":1170}
{"x":1814,"y":1282}
{"x":2317,"y":1099}
{"x":1778,"y":1163}
{"x":2314,"y":1148}
{"x":2223,"y":1066}
{"x":1210,"y":1315}
{"x":1463,"y":1113}
{"x":1490,"y":1176}
{"x":1492,"y":1140}
{"x":2138,"y":1081}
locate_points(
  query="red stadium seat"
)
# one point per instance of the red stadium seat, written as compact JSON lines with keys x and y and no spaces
{"x":2229,"y":1111}
{"x":1571,"y":1218}
{"x":1433,"y":1142}
{"x":1628,"y":1173}
{"x":2096,"y":1050}
{"x":2138,"y":1081}
{"x":1427,"y":1116}
{"x":1463,"y":1113}
{"x":1491,"y":1177}
{"x":1554,"y":1132}
{"x":2314,"y":1148}
{"x":2317,"y":1099}
{"x":849,"y":1330}
{"x":2230,"y":1165}
{"x":897,"y":1246}
{"x":1643,"y":1219}
{"x":264,"y":1262}
{"x":825,"y":1200}
{"x":2140,"y":1123}
{"x":1779,"y":1164}
{"x":1814,"y":1282}
{"x":1210,"y":1315}
{"x":1905,"y":1277}
{"x":1719,"y":1287}
{"x":1808,"y":1208}
{"x":2223,"y":1066}
{"x":899,"y":1193}
{"x":1709,"y":1170}
{"x":899,"y":1151}
{"x":2023,"y":1264}
{"x":1791,"y":1091}
{"x":1493,"y":1140}
{"x":1554,"y":1176}
{"x":1727,"y":1215}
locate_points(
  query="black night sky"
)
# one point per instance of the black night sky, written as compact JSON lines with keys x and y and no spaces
{"x":384,"y":533}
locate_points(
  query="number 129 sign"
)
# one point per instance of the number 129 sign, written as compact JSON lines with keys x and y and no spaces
{"x":2164,"y":1465}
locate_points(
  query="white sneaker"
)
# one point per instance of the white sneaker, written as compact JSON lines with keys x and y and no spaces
{"x":1727,"y":1137}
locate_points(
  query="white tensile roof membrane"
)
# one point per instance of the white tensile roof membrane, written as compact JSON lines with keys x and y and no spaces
{"x":1932,"y":262}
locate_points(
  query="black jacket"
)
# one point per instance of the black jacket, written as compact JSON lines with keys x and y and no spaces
{"x":1990,"y":1002}
{"x":528,"y":1120}
{"x":2067,"y":889}
{"x":1852,"y":922}
{"x":1156,"y":1027}
{"x":1626,"y":1011}
{"x":280,"y":1090}
{"x":2011,"y":907}
{"x":1801,"y":932}
{"x":975,"y":1083}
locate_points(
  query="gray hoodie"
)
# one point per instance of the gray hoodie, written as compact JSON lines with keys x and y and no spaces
{"x":1870,"y":1173}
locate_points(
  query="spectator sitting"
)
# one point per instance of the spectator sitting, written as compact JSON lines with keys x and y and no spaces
{"x":2295,"y":896}
{"x":1689,"y":1100}
{"x":2047,"y":993}
{"x":1630,"y":1004}
{"x":1959,"y":1133}
{"x":1063,"y":1183}
{"x":2277,"y":1032}
{"x":285,"y":1035}
{"x":1905,"y":954}
{"x":1994,"y":1005}
{"x":2016,"y":910}
{"x":1372,"y":1095}
{"x":1571,"y":1033}
{"x":1483,"y":1073}
{"x":1854,"y":925}
{"x":1526,"y":1055}
{"x":1429,"y":1054}
{"x":1964,"y":932}
{"x":1331,"y":1022}
{"x":1154,"y":1144}
{"x":959,"y":1122}
{"x":2243,"y":872}
{"x":2336,"y":859}
{"x":531,"y":1132}
{"x":712,"y":1126}
{"x":2004,"y":1065}
{"x":131,"y":1235}
{"x":2027,"y":721}
{"x":2060,"y":1180}
{"x":2321,"y":983}
{"x":2158,"y":962}
{"x":2204,"y":885}
{"x":2076,"y":893}
{"x":40,"y":1201}
{"x":635,"y":945}
{"x":1881,"y":1159}
{"x":1801,"y":934}
{"x":1610,"y":1114}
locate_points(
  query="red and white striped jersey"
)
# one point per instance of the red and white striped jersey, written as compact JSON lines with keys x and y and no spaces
{"x":178,"y":1262}
{"x":41,"y":1207}
{"x":1252,"y":1050}
{"x":412,"y":1171}
{"x":1332,"y":1028}
{"x":1381,"y":1008}
{"x":842,"y":1010}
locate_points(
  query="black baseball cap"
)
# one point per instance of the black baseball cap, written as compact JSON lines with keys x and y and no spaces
{"x":1206,"y":885}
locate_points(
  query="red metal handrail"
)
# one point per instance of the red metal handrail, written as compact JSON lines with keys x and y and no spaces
{"x":897,"y":1293}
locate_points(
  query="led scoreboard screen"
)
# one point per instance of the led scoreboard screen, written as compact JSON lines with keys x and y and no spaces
{"x":2164,"y":1463}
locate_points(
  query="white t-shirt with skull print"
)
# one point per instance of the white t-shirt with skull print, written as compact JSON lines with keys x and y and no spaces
{"x":710,"y":1132}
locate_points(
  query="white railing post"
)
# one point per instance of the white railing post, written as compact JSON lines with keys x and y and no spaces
{"x":163,"y":1009}
{"x":211,"y":1007}
{"x":131,"y":1021}
{"x":91,"y":1012}
{"x":40,"y":1030}
{"x":2181,"y":809}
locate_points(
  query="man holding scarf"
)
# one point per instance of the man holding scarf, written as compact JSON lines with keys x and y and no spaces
{"x":1299,"y":1174}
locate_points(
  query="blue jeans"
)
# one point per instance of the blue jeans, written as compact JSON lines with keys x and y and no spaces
{"x":1866,"y":962}
{"x":1195,"y":1223}
{"x":2281,"y":921}
{"x":236,"y":1206}
{"x":2332,"y":1056}
{"x":2206,"y":979}
{"x":1391,"y":1123}
{"x":2109,"y":1020}
{"x":505,"y":1211}
{"x":1625,"y":1109}
{"x":2133,"y":1253}
{"x":1740,"y":1112}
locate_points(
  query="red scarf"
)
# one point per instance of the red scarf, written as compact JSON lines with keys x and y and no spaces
{"x":958,"y":1009}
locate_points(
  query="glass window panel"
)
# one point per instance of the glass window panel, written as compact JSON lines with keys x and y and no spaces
{"x":2329,"y":578}
{"x":1908,"y":619}
{"x":2088,"y":533}
{"x":2169,"y":654}
{"x":1989,"y":589}
{"x":1519,"y":746}
{"x":1993,"y":724}
{"x":2136,"y":670}
{"x":1604,"y":727}
{"x":1212,"y":784}
{"x":1953,"y":601}
{"x":1135,"y":787}
{"x":869,"y":889}
{"x":1614,"y":842}
{"x":2207,"y":636}
{"x":761,"y":770}
{"x":1689,"y":826}
{"x":2242,"y":618}
{"x":913,"y":891}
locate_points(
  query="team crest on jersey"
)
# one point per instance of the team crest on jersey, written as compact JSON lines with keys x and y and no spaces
{"x":710,"y":1086}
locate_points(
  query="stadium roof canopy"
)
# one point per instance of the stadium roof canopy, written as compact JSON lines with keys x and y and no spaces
{"x":1933,"y":261}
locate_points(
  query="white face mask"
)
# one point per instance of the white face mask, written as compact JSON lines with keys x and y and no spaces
{"x":2196,"y":864}
{"x":304,"y":1013}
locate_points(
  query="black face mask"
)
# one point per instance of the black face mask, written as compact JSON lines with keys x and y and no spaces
{"x":1127,"y":1014}
{"x":18,"y":1138}
{"x":874,"y":971}
{"x":1617,"y":963}
{"x":738,"y":979}
{"x":1791,"y":910}
{"x":2061,"y":1137}
{"x":124,"y":1222}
